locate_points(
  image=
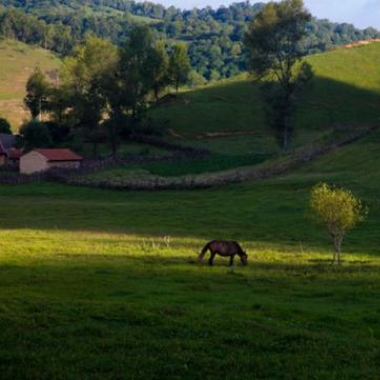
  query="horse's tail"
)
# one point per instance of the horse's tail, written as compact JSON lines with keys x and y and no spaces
{"x":203,"y":252}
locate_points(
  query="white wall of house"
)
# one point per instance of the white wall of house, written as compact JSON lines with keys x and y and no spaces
{"x":33,"y":162}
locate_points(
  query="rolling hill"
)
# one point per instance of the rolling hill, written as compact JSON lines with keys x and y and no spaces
{"x":227,"y":116}
{"x":227,"y":119}
{"x":17,"y":62}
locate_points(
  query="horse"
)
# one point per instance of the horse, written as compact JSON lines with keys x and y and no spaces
{"x":223,"y":248}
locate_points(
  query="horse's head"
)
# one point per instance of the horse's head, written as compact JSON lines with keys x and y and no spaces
{"x":244,"y":258}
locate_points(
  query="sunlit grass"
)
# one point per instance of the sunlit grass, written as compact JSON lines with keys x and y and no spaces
{"x":355,"y":67}
{"x":56,"y":245}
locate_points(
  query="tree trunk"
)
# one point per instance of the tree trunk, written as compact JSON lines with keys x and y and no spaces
{"x":287,"y":118}
{"x":337,"y":247}
{"x":285,"y":139}
{"x":113,"y":140}
{"x":95,"y":149}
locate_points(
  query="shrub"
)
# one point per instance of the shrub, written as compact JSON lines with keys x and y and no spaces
{"x":338,"y":210}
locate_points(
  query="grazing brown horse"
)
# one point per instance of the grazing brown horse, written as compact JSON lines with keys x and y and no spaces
{"x":223,"y":248}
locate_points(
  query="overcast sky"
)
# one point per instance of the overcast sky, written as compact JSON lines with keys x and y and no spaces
{"x":361,"y":13}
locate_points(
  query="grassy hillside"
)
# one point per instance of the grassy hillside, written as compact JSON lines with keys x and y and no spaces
{"x":227,"y":118}
{"x":345,"y":92}
{"x":17,"y":62}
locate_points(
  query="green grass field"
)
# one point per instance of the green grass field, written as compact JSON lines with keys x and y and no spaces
{"x":92,"y":290}
{"x":101,"y":284}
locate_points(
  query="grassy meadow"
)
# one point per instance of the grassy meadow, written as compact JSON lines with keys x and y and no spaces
{"x":17,"y":62}
{"x":92,"y":289}
{"x":101,"y":284}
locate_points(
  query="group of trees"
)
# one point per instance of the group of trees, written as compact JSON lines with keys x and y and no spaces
{"x":29,"y":29}
{"x":214,"y":36}
{"x":103,"y":90}
{"x":102,"y":84}
{"x":106,"y":84}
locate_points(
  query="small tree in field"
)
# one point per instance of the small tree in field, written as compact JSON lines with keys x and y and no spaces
{"x":338,"y":210}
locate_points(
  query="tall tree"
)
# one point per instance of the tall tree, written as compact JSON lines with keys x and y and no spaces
{"x":273,"y":42}
{"x":84,"y":77}
{"x":179,"y":65}
{"x":161,"y":67}
{"x":35,"y":135}
{"x":37,"y":89}
{"x":135,"y":75}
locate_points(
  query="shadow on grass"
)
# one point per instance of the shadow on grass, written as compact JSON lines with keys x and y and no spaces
{"x":326,"y":103}
{"x":97,"y":316}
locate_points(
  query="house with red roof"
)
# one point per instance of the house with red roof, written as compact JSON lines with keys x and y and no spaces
{"x":39,"y":160}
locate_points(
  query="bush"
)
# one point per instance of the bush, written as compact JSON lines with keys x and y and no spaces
{"x":36,"y":134}
{"x":338,"y":210}
{"x":5,"y":127}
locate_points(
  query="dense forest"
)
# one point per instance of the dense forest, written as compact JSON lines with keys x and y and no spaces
{"x":214,"y":36}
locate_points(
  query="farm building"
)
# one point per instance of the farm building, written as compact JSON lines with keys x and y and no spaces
{"x":39,"y":160}
{"x":8,"y":154}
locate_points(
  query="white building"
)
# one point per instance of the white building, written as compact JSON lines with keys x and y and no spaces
{"x":39,"y":160}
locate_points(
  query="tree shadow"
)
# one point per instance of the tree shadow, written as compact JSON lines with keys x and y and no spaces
{"x":331,"y":103}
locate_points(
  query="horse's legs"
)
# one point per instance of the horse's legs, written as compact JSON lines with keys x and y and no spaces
{"x":211,"y":259}
{"x":232,"y":260}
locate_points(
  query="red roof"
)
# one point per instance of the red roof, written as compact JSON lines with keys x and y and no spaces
{"x":59,"y":154}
